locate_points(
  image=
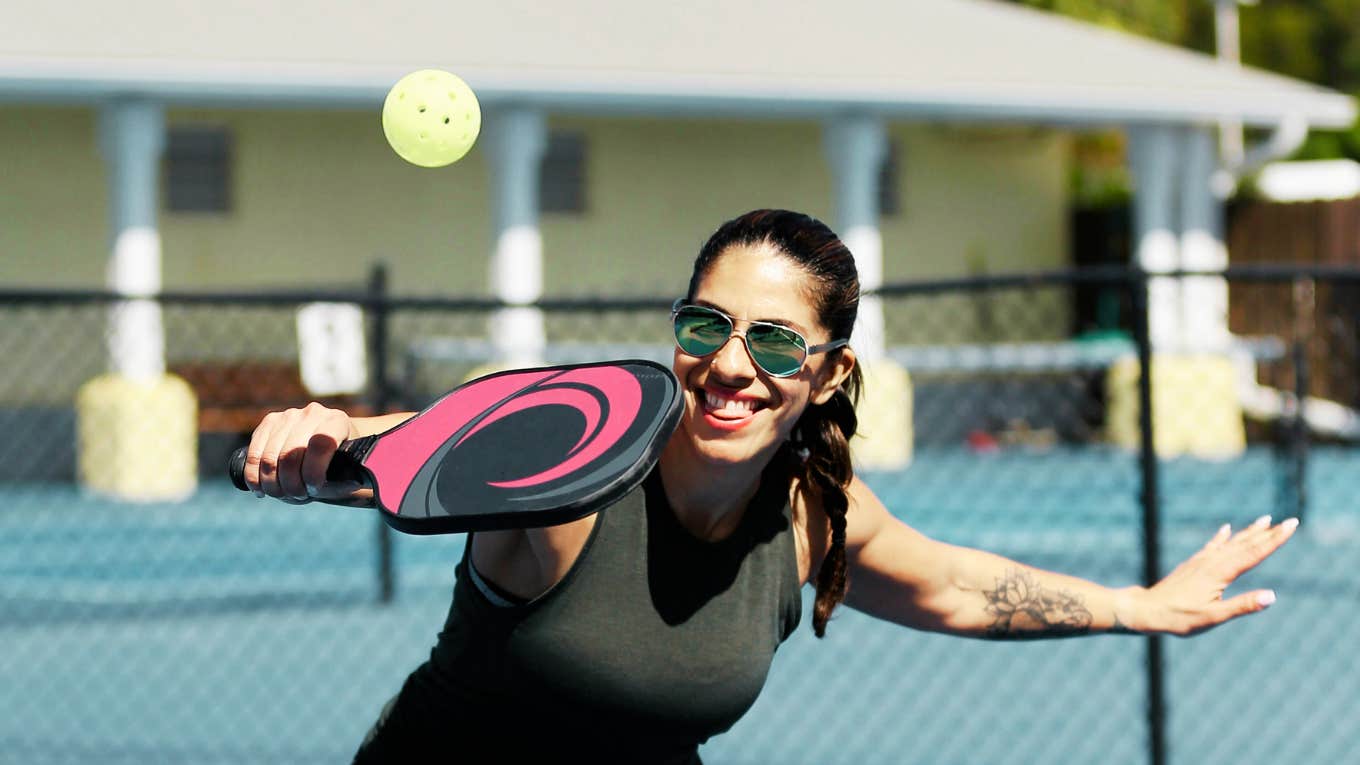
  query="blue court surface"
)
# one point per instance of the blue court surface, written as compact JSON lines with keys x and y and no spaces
{"x":224,"y":629}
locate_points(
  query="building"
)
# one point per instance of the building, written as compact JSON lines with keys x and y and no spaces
{"x":154,"y":145}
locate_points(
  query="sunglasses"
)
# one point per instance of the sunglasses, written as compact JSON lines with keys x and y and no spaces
{"x":778,"y":350}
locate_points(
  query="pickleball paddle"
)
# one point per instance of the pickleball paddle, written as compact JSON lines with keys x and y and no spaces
{"x":515,"y":449}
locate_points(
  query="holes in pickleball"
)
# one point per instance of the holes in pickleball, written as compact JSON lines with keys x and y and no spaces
{"x":517,"y":446}
{"x":446,"y":119}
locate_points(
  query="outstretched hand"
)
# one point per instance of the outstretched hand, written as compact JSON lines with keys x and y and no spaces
{"x":1190,"y":599}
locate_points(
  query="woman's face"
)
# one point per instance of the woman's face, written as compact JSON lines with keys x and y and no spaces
{"x":735,"y":411}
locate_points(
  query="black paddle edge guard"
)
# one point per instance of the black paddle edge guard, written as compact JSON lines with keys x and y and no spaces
{"x":585,"y":505}
{"x":556,"y":516}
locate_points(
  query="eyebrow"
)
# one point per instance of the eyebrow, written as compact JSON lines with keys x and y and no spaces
{"x":793,"y":325}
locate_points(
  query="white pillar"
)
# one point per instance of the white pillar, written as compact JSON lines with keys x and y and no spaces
{"x":515,"y":139}
{"x":1204,"y":299}
{"x":1153,"y":162}
{"x":856,"y":146}
{"x":136,"y":427}
{"x":132,"y":139}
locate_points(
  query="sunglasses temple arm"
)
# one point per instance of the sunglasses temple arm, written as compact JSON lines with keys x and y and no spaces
{"x":824,"y":347}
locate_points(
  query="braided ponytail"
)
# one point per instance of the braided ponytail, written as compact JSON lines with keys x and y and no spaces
{"x":823,"y":434}
{"x":818,"y":455}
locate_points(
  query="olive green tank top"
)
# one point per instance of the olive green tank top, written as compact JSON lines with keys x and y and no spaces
{"x":653,"y":641}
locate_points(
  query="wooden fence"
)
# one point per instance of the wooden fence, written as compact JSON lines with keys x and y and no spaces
{"x":1325,"y":317}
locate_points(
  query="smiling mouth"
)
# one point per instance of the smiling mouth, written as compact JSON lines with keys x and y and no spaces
{"x":728,"y":409}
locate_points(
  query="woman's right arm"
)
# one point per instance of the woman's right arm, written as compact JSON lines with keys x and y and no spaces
{"x":290,"y":450}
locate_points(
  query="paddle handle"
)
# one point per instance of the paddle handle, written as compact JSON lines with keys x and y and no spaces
{"x":346,"y":465}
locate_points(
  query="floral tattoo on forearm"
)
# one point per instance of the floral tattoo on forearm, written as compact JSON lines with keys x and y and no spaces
{"x":1024,"y":609}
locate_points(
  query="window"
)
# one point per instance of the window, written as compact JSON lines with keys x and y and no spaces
{"x":562,"y":180}
{"x":198,"y":169}
{"x":889,"y":195}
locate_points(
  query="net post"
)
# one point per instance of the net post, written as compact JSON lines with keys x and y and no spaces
{"x":378,"y":306}
{"x":1150,"y":500}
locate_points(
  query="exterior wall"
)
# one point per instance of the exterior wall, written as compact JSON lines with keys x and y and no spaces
{"x":658,"y":188}
{"x":991,"y":198}
{"x":977,"y":200}
{"x":53,"y":220}
{"x":318,"y":196}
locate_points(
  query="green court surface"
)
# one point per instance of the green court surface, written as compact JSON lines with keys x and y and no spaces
{"x":224,"y":629}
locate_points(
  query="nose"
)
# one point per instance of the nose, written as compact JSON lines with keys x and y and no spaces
{"x":731,"y":362}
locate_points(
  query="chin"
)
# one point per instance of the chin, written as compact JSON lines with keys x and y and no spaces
{"x":730,"y":448}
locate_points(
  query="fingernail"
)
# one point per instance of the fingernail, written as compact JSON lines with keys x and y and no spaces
{"x":311,"y":490}
{"x":259,"y":494}
{"x":1262,"y":521}
{"x":1266,"y":598}
{"x":1289,"y":523}
{"x":1224,"y":529}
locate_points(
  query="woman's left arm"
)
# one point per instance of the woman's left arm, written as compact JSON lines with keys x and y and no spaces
{"x":899,"y":574}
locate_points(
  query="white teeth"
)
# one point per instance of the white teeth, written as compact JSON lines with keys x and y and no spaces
{"x":718,"y":403}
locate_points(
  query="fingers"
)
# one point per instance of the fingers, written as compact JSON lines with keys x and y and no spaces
{"x":1257,"y":542}
{"x":1246,"y":603}
{"x":1257,"y":525}
{"x":1223,"y":534}
{"x":290,"y":450}
{"x":1193,"y":593}
{"x":1199,"y":620}
{"x":316,"y":457}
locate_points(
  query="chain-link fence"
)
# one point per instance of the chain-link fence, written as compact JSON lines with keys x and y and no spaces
{"x":207,"y":626}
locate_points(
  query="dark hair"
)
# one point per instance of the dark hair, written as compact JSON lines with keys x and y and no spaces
{"x":819,"y":452}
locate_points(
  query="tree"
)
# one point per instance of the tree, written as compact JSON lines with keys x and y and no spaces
{"x":1317,"y":41}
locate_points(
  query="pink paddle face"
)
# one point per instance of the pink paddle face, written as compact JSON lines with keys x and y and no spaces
{"x":518,"y":448}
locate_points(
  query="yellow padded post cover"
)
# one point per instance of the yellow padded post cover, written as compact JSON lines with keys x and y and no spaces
{"x":137,"y":441}
{"x":1195,"y":407}
{"x":886,"y":435}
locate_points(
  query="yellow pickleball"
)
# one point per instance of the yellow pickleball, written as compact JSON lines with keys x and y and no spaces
{"x":431,"y":118}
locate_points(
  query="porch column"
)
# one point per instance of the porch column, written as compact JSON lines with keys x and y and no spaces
{"x":1204,"y":299}
{"x":856,"y":146}
{"x":136,"y":426}
{"x":132,"y":139}
{"x":1153,"y":162}
{"x":1195,"y":407}
{"x":515,"y":141}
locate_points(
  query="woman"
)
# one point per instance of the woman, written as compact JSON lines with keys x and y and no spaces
{"x":635,"y":634}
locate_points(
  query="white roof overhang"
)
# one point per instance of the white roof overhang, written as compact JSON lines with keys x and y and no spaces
{"x":967,"y":60}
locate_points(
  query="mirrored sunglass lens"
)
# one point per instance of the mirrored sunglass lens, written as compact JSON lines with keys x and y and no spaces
{"x":778,"y":351}
{"x":699,"y":332}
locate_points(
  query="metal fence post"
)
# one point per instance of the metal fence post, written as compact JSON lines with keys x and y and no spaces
{"x":1156,"y":687}
{"x":381,"y":399}
{"x":1303,"y":304}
